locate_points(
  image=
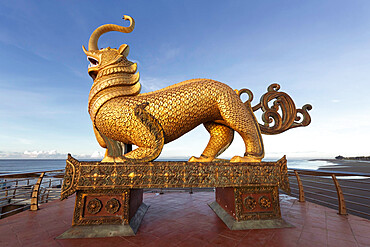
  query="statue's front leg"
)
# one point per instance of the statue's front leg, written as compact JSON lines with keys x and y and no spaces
{"x":118,"y":158}
{"x":114,"y":148}
{"x":103,"y":144}
{"x":99,"y":138}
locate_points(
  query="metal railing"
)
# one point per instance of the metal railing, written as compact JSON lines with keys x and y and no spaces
{"x":324,"y":187}
{"x":22,"y":191}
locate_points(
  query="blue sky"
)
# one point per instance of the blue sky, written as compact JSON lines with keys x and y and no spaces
{"x":318,"y":51}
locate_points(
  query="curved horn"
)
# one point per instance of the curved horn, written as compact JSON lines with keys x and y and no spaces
{"x":93,"y":41}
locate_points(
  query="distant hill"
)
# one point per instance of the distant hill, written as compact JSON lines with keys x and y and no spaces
{"x":340,"y":157}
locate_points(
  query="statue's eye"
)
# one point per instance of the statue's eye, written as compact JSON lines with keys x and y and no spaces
{"x":93,"y":61}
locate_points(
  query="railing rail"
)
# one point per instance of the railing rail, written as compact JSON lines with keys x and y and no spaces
{"x":305,"y":178}
{"x":21,"y":191}
{"x":25,"y":175}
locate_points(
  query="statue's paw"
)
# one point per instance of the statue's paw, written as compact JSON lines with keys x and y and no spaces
{"x":245,"y":159}
{"x":119,"y":159}
{"x":200,"y":159}
{"x":108,"y":159}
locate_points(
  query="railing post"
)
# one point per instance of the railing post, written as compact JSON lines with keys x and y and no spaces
{"x":35,"y":193}
{"x":341,"y":203}
{"x":47,"y":197}
{"x":42,"y":194}
{"x":6,"y":187}
{"x":300,"y":187}
{"x":15,"y":188}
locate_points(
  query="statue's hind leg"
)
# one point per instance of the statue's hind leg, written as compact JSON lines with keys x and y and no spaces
{"x":221,"y":138}
{"x":241,"y":118}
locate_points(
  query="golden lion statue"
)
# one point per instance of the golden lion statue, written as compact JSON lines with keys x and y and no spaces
{"x":121,"y":115}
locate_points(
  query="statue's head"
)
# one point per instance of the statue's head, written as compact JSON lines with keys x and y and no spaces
{"x":109,"y":61}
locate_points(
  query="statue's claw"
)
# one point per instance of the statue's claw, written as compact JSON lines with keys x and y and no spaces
{"x":200,"y":159}
{"x":245,"y":159}
{"x":119,"y":159}
{"x":108,"y":159}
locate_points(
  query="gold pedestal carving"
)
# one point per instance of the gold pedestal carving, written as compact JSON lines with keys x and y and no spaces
{"x":81,"y":176}
{"x":250,"y":202}
{"x":106,"y":206}
{"x":104,"y":212}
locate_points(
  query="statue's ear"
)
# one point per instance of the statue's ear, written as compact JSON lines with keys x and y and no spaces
{"x":124,"y":50}
{"x":84,"y":49}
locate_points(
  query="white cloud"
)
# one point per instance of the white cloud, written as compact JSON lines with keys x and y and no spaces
{"x":97,"y":154}
{"x":49,"y":154}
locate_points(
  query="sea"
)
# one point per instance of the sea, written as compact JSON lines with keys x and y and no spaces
{"x":8,"y":166}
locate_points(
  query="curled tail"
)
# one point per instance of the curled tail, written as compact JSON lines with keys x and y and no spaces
{"x":281,"y":114}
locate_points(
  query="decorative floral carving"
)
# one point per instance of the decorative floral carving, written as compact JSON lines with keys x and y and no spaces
{"x":250,"y":203}
{"x":112,"y":206}
{"x":242,"y":212}
{"x":80,"y":219}
{"x":94,"y":206}
{"x":264,"y":202}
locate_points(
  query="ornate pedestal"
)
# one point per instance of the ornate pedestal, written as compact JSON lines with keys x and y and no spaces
{"x":106,"y":212}
{"x":250,"y":207}
{"x":109,"y":195}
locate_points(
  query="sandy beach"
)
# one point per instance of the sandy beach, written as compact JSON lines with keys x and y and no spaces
{"x":317,"y":189}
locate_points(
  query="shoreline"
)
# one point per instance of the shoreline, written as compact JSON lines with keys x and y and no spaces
{"x":345,"y":165}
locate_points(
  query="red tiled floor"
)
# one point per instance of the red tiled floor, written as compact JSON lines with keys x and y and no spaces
{"x":363,"y":241}
{"x":333,"y":242}
{"x":259,"y":237}
{"x":181,"y":219}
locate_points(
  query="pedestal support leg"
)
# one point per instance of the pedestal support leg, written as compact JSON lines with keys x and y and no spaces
{"x":252,"y":207}
{"x":106,"y":213}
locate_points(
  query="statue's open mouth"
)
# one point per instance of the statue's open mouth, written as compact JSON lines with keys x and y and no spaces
{"x":93,"y":74}
{"x":93,"y":63}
